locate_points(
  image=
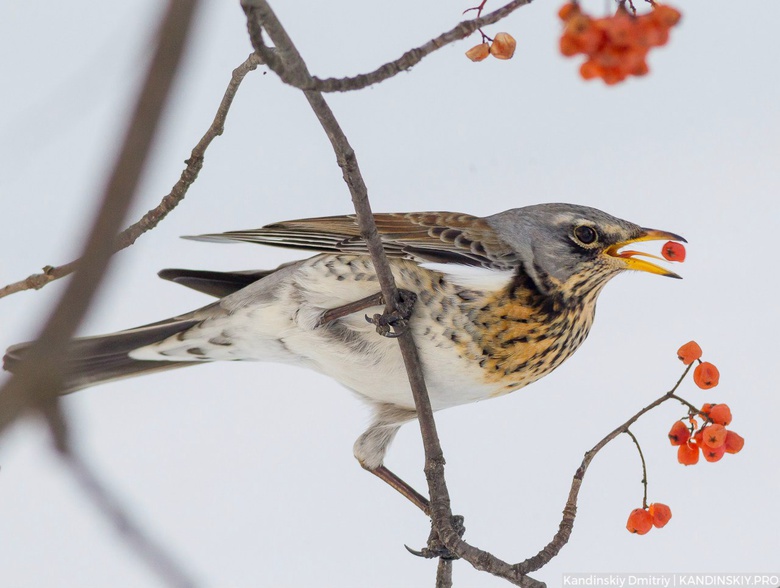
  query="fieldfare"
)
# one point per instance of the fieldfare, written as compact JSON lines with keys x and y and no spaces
{"x":500,"y":302}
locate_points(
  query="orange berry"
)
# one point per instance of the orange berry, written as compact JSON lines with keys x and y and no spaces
{"x":713,"y":453}
{"x":478,"y":52}
{"x":618,"y":28}
{"x":590,"y":69}
{"x":639,"y":521}
{"x":734,"y":442}
{"x":679,"y":433}
{"x":638,"y":66}
{"x":706,"y":375}
{"x":673,"y":251}
{"x":578,"y":24}
{"x":665,"y":15}
{"x":503,"y":46}
{"x":588,"y":37}
{"x":660,"y":513}
{"x":568,"y":10}
{"x":659,"y":36}
{"x":688,"y":454}
{"x":613,"y":75}
{"x":689,"y":352}
{"x":720,"y":414}
{"x":713,"y":436}
{"x":568,"y":45}
{"x":706,"y":408}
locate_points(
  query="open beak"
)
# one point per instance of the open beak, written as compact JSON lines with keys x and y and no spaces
{"x":630,"y":258}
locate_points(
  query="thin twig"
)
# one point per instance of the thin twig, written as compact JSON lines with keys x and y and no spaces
{"x":153,"y":217}
{"x":570,"y":510}
{"x":299,"y":78}
{"x":644,"y":466}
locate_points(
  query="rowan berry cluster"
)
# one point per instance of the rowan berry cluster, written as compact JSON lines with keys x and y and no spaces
{"x":703,"y":431}
{"x":502,"y":46}
{"x":641,"y":520}
{"x":615,"y":46}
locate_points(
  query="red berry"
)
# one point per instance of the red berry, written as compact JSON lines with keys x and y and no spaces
{"x":679,"y":433}
{"x":568,"y":10}
{"x":713,"y":436}
{"x":688,"y":454}
{"x":720,"y":414}
{"x":689,"y":352}
{"x":639,"y":521}
{"x":673,"y":251}
{"x":706,"y":375}
{"x":660,"y":513}
{"x":713,"y":453}
{"x":734,"y":442}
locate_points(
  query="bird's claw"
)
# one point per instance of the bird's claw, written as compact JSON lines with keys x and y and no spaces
{"x":435,"y":549}
{"x":394,"y":324}
{"x":433,"y":553}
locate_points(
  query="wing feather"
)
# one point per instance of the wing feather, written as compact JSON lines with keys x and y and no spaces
{"x":439,"y":237}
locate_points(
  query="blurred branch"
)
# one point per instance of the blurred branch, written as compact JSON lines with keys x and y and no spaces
{"x":39,"y":378}
{"x":291,"y":73}
{"x":153,"y":217}
{"x":131,"y":532}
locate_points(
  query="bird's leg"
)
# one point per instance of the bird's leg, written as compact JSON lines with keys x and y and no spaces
{"x":405,"y":489}
{"x":388,"y":324}
{"x":342,"y":311}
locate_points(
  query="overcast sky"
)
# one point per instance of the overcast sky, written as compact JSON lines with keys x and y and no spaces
{"x":245,"y":470}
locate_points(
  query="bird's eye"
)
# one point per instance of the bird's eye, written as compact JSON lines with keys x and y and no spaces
{"x":585,"y":234}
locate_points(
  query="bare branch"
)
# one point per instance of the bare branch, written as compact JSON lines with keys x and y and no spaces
{"x":444,"y":573}
{"x":291,"y":73}
{"x":260,"y":17}
{"x":153,"y":217}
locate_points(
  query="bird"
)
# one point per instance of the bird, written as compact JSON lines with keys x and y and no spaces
{"x":498,"y":302}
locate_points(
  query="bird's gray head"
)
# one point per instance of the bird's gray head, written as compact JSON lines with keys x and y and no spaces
{"x":572,"y":249}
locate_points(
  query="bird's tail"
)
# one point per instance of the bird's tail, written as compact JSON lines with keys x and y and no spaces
{"x":103,"y":358}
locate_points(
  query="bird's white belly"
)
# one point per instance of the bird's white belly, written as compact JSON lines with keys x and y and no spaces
{"x":281,"y":323}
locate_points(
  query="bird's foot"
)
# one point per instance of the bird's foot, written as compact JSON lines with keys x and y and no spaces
{"x":394,"y":324}
{"x":435,"y":548}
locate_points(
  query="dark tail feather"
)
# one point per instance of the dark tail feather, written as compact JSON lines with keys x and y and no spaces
{"x":94,"y":360}
{"x":219,"y":284}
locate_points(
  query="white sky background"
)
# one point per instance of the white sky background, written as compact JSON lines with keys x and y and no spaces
{"x":246,"y":470}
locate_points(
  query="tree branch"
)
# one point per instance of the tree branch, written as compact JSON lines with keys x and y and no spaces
{"x":291,"y":73}
{"x":153,"y":217}
{"x":260,"y":17}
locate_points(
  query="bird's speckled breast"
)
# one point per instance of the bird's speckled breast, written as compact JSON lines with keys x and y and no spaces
{"x":515,"y":335}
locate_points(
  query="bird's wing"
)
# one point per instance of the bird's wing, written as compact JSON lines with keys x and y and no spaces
{"x":439,"y":237}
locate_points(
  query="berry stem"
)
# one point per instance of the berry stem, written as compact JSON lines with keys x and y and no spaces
{"x":644,"y":466}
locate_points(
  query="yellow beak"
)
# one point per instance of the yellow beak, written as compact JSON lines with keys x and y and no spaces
{"x":629,"y":258}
